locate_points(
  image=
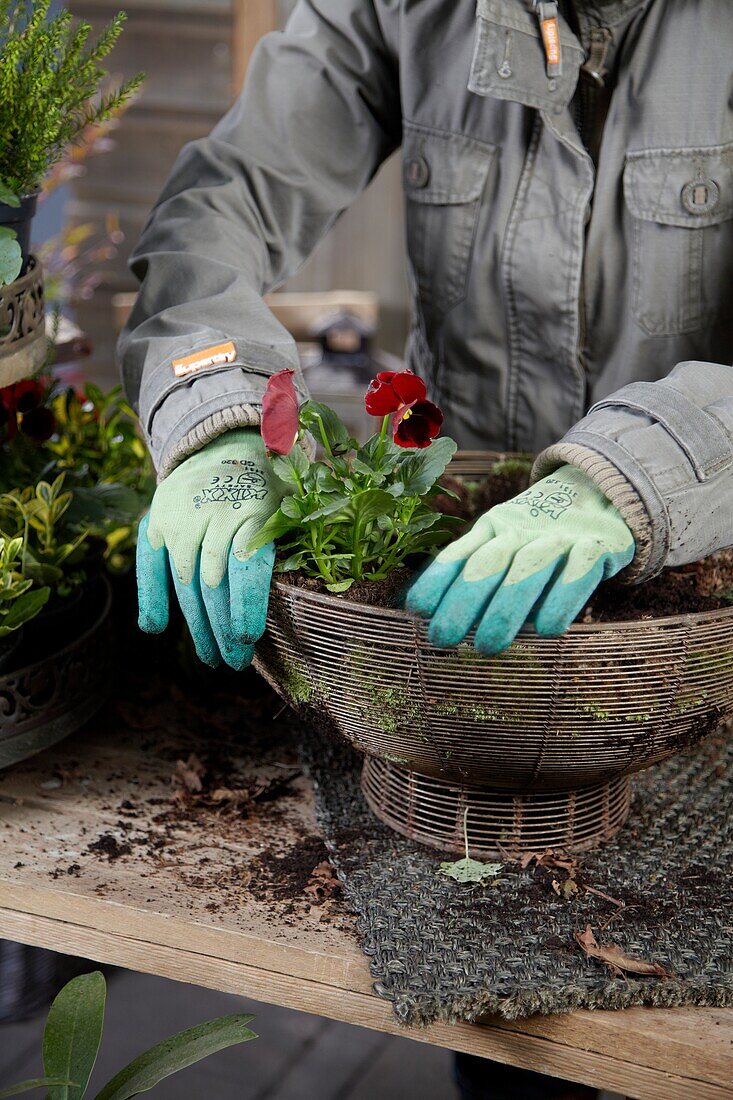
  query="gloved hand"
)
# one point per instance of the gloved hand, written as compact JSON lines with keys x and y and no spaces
{"x":201,"y":520}
{"x":537,"y":557}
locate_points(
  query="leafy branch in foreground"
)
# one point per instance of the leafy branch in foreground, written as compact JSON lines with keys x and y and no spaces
{"x":73,"y":1034}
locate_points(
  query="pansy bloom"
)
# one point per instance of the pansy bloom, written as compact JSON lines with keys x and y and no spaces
{"x":280,"y":413}
{"x":415,"y":420}
{"x":21,"y":407}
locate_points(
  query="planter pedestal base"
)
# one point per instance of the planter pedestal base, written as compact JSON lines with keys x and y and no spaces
{"x":432,"y":812}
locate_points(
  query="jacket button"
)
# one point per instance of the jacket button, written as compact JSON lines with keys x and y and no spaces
{"x":417,"y":172}
{"x":700,"y":196}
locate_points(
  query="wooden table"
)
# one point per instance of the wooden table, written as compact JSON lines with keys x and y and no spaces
{"x":181,"y":899}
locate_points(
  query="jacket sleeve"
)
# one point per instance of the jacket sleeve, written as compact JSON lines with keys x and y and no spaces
{"x":662,"y":452}
{"x":242,"y":210}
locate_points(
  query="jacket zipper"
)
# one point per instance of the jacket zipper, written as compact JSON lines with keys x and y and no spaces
{"x":586,"y":111}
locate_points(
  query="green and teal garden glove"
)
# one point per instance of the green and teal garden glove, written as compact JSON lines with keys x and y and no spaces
{"x":201,"y":520}
{"x":538,"y":557}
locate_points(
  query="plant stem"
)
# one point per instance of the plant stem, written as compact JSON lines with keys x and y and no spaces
{"x":382,"y":437}
{"x":324,"y":438}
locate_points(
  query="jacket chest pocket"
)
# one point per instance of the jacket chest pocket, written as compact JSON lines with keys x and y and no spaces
{"x":680,"y":204}
{"x":444,"y":178}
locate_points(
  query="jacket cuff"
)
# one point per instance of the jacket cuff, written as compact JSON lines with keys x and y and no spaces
{"x":621,"y":493}
{"x":215,"y":424}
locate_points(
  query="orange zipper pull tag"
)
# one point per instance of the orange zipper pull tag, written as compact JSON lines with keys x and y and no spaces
{"x":550,"y":30}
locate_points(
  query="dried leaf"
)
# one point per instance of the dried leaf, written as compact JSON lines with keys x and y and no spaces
{"x":566,"y":889}
{"x":470,"y":870}
{"x":323,"y":882}
{"x":615,"y":959}
{"x":190,"y":773}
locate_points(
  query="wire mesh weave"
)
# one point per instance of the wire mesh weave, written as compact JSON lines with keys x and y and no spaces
{"x":603,"y":701}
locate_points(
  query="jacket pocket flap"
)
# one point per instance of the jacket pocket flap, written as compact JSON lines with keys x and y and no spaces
{"x":689,"y":188}
{"x":509,"y":58}
{"x":442,"y":167}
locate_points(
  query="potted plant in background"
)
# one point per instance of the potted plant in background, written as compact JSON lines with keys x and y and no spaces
{"x":74,"y":480}
{"x":50,"y":77}
{"x":51,"y":82}
{"x":537,"y":743}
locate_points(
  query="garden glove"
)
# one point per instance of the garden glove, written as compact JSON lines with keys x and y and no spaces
{"x":539,"y":556}
{"x":202,"y":517}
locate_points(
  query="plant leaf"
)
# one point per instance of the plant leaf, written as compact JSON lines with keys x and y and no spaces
{"x":175,"y":1054}
{"x":73,"y":1033}
{"x":371,"y":503}
{"x":340,"y":586}
{"x":25,"y":608}
{"x":35,"y":1083}
{"x":274,"y":528}
{"x":11,"y":261}
{"x":291,"y":468}
{"x":470,"y":870}
{"x":615,"y":959}
{"x":313,"y":414}
{"x":10,"y":198}
{"x":420,"y":470}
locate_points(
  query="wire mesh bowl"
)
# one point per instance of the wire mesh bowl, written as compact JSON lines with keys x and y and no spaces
{"x":536,"y":743}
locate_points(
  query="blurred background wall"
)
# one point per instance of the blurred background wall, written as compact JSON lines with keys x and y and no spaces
{"x":195,"y":54}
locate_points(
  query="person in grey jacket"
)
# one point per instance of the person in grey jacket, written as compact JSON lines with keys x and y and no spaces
{"x":568,"y":179}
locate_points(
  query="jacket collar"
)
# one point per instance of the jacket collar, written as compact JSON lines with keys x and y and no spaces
{"x":509,"y":58}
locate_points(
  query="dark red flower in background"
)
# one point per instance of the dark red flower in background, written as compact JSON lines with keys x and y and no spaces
{"x":390,"y":390}
{"x":38,"y":424}
{"x":280,"y":413}
{"x":416,"y":424}
{"x":18,"y":402}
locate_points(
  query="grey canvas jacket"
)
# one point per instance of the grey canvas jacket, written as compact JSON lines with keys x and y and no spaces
{"x":570,"y":246}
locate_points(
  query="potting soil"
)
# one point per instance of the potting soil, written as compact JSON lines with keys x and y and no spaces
{"x":438,"y":949}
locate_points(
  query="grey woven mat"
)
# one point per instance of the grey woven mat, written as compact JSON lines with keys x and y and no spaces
{"x":440,"y":950}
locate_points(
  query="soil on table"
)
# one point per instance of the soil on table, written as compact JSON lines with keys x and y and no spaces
{"x":706,"y":585}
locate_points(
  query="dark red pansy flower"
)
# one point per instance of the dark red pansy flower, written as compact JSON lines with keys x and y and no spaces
{"x":26,"y":395}
{"x":390,"y":390}
{"x":38,"y":424}
{"x":280,"y":413}
{"x":416,"y":424}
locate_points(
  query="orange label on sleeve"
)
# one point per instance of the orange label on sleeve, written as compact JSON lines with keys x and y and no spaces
{"x":207,"y":357}
{"x":551,"y":39}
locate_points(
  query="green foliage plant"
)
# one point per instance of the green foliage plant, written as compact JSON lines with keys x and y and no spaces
{"x":50,"y":80}
{"x":19,"y":600}
{"x":360,"y":512}
{"x":51,"y":555}
{"x":73,"y":1034}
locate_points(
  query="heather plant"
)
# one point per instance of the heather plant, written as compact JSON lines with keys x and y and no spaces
{"x":50,"y":76}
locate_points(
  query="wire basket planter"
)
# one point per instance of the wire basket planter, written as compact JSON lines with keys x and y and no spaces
{"x":537,"y":744}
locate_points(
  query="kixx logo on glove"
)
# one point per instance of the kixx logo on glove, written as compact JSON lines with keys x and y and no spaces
{"x":552,"y":504}
{"x":234,"y":489}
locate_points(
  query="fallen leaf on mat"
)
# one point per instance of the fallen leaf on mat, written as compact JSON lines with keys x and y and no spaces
{"x":470,"y":870}
{"x":615,"y":959}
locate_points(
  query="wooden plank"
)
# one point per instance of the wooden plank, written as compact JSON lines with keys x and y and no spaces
{"x":250,"y":19}
{"x":166,"y":915}
{"x":298,"y":312}
{"x":502,"y":1044}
